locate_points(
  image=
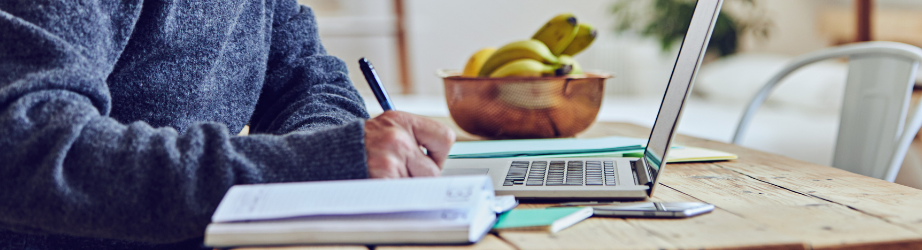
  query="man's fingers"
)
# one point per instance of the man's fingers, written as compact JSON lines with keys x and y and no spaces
{"x":435,"y":137}
{"x":420,"y":165}
{"x":392,"y":144}
{"x":387,"y":166}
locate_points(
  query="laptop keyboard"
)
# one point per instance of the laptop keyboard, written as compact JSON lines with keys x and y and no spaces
{"x":561,"y":173}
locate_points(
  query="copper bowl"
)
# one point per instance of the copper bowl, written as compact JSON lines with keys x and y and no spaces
{"x":523,"y":107}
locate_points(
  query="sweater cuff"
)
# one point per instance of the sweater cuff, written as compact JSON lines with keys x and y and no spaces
{"x":329,"y":154}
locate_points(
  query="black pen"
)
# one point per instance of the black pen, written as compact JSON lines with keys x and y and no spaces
{"x":372,"y":77}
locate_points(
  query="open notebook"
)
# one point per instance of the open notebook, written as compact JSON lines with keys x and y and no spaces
{"x":446,"y":210}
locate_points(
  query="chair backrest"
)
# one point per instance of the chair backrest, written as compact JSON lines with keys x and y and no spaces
{"x":873,"y":134}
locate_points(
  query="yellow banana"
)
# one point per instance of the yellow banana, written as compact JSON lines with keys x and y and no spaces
{"x":558,"y":32}
{"x":529,"y":68}
{"x":473,"y":65}
{"x":575,"y":69}
{"x":584,"y":37}
{"x":532,"y":49}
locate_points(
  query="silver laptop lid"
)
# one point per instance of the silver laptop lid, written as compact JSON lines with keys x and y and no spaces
{"x":680,"y":83}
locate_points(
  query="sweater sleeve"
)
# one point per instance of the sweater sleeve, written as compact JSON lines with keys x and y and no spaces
{"x":66,"y":168}
{"x":305,"y":88}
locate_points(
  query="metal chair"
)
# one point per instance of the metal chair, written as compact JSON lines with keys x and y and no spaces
{"x":873,"y":133}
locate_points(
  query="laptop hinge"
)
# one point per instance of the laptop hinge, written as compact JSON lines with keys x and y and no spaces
{"x":641,"y":173}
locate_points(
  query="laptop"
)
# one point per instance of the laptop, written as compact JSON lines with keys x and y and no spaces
{"x":605,"y":178}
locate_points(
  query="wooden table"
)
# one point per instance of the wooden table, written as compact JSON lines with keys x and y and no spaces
{"x":763,"y":201}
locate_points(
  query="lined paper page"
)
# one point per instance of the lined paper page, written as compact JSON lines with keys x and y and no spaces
{"x":286,"y":200}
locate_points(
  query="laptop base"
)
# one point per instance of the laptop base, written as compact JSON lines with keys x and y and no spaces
{"x":535,"y":179}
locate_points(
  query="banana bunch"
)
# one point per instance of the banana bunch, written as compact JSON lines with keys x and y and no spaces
{"x":549,"y":52}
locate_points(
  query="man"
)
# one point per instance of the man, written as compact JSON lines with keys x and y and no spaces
{"x":118,"y":118}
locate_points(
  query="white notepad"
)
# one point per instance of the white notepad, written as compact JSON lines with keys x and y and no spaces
{"x":458,"y":209}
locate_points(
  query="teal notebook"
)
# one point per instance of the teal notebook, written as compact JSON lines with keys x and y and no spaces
{"x":612,"y":146}
{"x":544,"y":147}
{"x":552,"y":219}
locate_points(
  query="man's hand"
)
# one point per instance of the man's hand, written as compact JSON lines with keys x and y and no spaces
{"x":393,"y":141}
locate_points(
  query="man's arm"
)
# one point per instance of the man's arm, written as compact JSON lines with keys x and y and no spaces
{"x":305,"y":88}
{"x":67,"y":168}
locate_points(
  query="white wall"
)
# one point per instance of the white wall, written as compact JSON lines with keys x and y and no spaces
{"x":794,"y":31}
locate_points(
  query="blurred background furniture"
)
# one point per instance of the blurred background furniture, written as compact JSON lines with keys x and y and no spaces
{"x":443,"y":34}
{"x":873,"y":136}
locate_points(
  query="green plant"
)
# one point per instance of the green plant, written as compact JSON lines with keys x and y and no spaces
{"x":667,"y":20}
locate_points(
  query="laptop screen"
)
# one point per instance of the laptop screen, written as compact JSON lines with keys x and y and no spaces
{"x":680,"y":83}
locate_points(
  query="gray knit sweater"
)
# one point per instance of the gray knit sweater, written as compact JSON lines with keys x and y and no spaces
{"x":118,"y":118}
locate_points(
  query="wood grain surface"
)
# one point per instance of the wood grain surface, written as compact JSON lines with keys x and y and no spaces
{"x":488,"y":242}
{"x":764,"y":201}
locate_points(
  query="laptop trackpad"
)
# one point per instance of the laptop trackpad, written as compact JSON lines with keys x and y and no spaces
{"x":465,"y":171}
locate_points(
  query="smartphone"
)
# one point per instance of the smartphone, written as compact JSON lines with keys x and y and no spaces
{"x":653,"y":209}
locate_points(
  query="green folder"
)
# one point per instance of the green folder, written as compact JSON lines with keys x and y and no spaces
{"x":550,"y":219}
{"x":612,"y":146}
{"x":544,"y":147}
